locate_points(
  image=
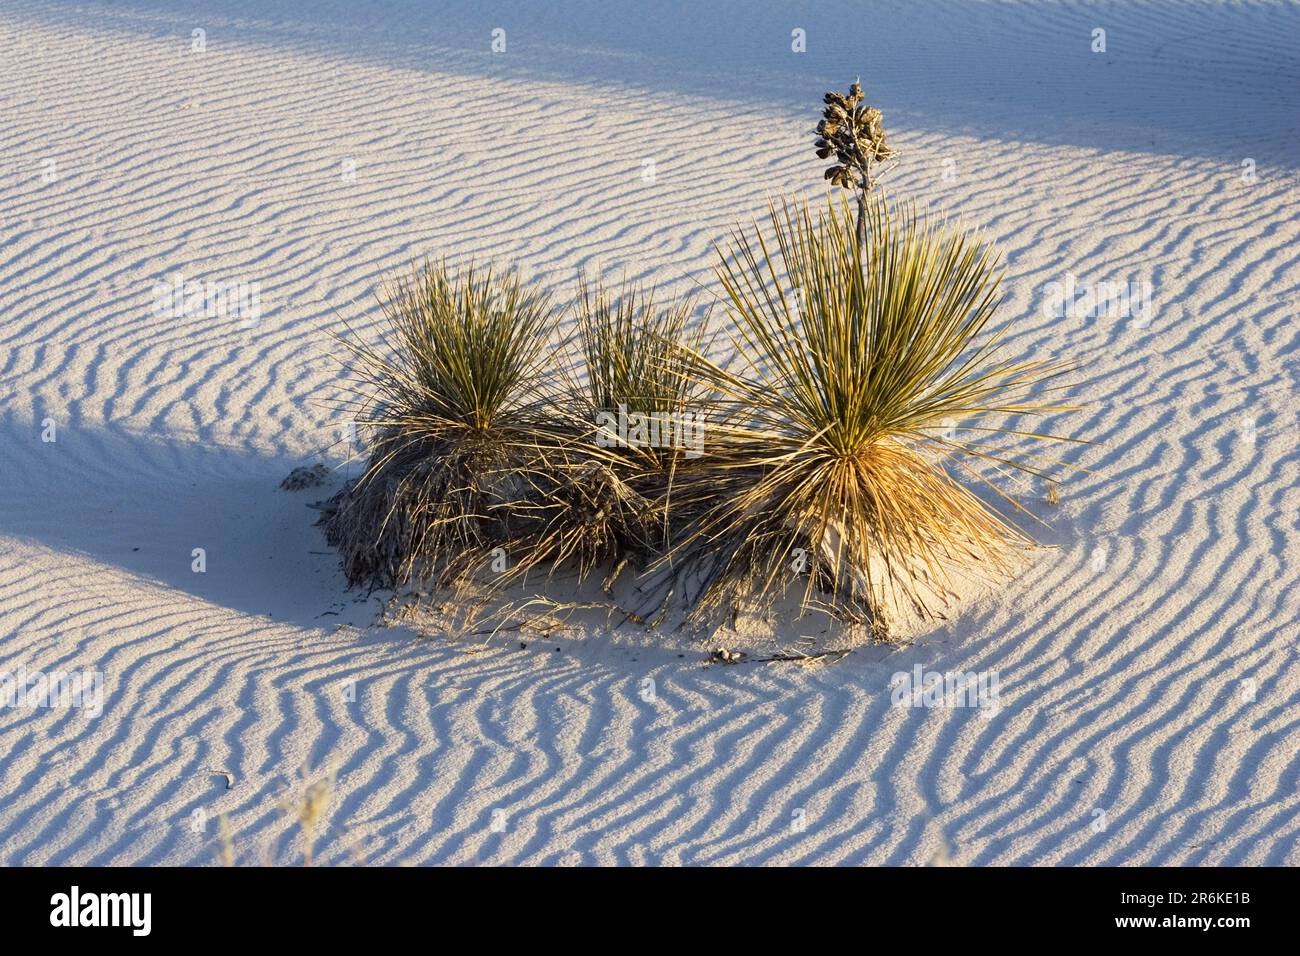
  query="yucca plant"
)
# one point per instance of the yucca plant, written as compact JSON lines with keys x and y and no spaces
{"x":853,"y":361}
{"x":454,"y":408}
{"x":610,"y":499}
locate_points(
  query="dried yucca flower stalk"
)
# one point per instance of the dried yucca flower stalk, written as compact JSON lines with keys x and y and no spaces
{"x":854,"y":133}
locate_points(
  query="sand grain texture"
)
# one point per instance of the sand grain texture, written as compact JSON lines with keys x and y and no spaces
{"x":313,"y":154}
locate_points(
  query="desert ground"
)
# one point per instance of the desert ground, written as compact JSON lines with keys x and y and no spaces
{"x":1147,"y":658}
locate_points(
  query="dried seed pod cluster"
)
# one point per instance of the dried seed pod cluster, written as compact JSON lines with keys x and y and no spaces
{"x":855,"y":134}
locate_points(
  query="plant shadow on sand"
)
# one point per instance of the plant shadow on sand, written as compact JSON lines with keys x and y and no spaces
{"x":144,"y":504}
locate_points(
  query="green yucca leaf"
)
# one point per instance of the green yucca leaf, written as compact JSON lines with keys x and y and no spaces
{"x":635,"y":351}
{"x":467,"y":344}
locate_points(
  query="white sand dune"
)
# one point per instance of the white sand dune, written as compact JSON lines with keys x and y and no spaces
{"x":1148,"y":665}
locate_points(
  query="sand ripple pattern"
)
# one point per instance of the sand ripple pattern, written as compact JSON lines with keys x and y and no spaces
{"x":1148,"y":664}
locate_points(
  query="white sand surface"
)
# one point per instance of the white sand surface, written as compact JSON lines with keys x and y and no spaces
{"x":1147,"y":662}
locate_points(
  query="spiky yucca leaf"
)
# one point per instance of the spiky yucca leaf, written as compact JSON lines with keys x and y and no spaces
{"x":853,"y":359}
{"x":635,"y":350}
{"x":454,"y":408}
{"x":467,"y":348}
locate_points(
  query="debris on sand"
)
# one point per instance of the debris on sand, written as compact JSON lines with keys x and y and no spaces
{"x":301,"y":478}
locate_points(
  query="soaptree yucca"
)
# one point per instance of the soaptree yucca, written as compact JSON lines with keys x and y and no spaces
{"x":855,"y":359}
{"x":453,"y":406}
{"x":609,"y":500}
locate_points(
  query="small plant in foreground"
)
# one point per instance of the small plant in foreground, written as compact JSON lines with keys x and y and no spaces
{"x":455,"y":408}
{"x":598,"y":500}
{"x":635,"y":353}
{"x":308,"y":808}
